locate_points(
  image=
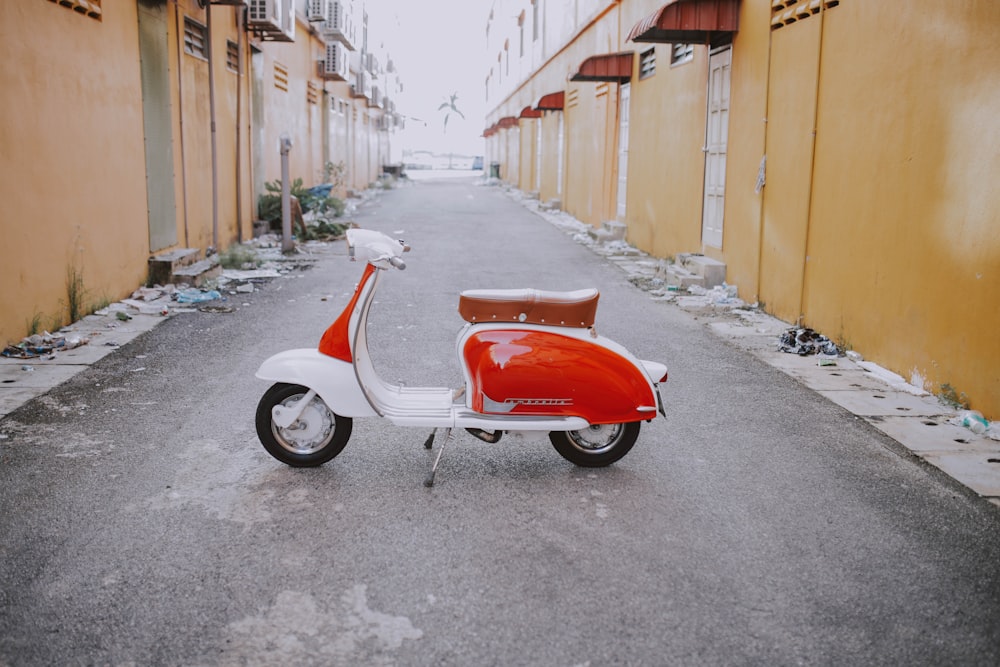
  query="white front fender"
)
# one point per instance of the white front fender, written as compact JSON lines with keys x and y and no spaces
{"x":333,"y":379}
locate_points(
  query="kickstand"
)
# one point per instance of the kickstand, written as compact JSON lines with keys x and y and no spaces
{"x":429,"y":442}
{"x":430,"y":476}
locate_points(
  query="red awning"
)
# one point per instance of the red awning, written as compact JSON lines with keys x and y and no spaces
{"x":551,"y":102}
{"x":688,"y":21}
{"x":507,"y":122}
{"x":528,"y":112}
{"x":609,"y":67}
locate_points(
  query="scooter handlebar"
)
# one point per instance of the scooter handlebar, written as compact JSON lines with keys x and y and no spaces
{"x":376,"y":247}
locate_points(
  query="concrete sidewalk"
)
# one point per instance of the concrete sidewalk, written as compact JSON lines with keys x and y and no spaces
{"x":922,"y":424}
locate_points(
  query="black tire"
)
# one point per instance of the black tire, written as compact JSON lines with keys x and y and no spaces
{"x":596,"y":446}
{"x":316,"y":436}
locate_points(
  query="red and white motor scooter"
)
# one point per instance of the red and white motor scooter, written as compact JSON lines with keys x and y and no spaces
{"x":531,"y":360}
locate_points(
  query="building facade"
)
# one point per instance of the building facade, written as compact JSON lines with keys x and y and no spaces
{"x":836,"y":155}
{"x":130,"y":128}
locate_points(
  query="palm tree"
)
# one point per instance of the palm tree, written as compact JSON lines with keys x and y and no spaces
{"x":449,"y":107}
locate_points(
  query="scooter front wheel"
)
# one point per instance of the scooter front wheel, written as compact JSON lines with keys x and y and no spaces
{"x":313,"y":439}
{"x":596,"y":446}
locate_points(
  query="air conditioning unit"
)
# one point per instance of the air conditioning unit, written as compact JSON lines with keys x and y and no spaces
{"x":334,"y":65}
{"x":272,"y":20}
{"x":361,"y":86}
{"x":338,"y":24}
{"x":317,"y":10}
{"x":375,"y":100}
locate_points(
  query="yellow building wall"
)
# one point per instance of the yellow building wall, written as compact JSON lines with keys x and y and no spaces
{"x":526,"y":154}
{"x":192,"y":135}
{"x":877,"y":224}
{"x":289,"y":71}
{"x":666,"y":165}
{"x":72,"y":171}
{"x":904,"y":235}
{"x":550,"y":187}
{"x":747,"y":123}
{"x":789,"y":146}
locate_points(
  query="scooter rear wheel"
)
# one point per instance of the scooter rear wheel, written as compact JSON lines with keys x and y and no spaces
{"x":317,"y":435}
{"x":596,"y":446}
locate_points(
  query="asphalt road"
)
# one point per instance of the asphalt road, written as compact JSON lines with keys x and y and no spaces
{"x":141,"y":523}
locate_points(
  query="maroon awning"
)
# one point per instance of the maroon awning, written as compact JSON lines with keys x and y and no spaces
{"x":551,"y":102}
{"x":688,"y":21}
{"x":609,"y":67}
{"x":507,"y":122}
{"x":528,"y":112}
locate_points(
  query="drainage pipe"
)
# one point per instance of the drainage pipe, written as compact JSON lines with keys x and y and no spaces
{"x":239,"y":115}
{"x":180,"y":115}
{"x":286,"y":197}
{"x":211,"y":113}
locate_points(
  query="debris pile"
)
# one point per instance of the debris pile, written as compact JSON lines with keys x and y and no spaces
{"x":803,"y":341}
{"x":43,"y":345}
{"x":720,"y":295}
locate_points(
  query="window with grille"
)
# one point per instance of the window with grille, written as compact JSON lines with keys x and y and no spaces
{"x":787,"y":12}
{"x":681,"y":53}
{"x":535,"y":26}
{"x":91,"y":8}
{"x":195,"y":39}
{"x":312,"y":93}
{"x":647,"y":63}
{"x":232,"y":56}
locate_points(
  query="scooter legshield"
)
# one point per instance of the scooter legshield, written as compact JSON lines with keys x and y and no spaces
{"x":333,"y":379}
{"x":525,"y":372}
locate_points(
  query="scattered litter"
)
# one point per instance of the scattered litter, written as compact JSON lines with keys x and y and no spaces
{"x":720,"y":295}
{"x":804,"y":341}
{"x":123,"y":316}
{"x":42,"y":345}
{"x":245,"y":287}
{"x":194,"y":295}
{"x":27,"y":368}
{"x":892,"y":379}
{"x":250,"y":274}
{"x":973,"y":420}
{"x":216,"y":309}
{"x":111,"y":343}
{"x":826,"y":360}
{"x":138,"y":370}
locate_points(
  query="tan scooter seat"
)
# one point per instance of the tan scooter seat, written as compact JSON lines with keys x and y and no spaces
{"x":565,"y":309}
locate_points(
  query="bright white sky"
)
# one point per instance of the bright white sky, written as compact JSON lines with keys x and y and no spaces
{"x":439,"y":48}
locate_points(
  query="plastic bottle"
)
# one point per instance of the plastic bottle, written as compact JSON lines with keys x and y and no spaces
{"x":974,"y":421}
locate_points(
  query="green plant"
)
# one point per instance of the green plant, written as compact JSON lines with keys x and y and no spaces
{"x":239,"y":257}
{"x":269,"y":205}
{"x":948,"y":395}
{"x":34,"y":325}
{"x":334,"y":173}
{"x":75,"y":292}
{"x":329,"y":230}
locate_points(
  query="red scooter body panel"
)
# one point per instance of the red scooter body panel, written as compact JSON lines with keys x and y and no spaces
{"x":525,"y":372}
